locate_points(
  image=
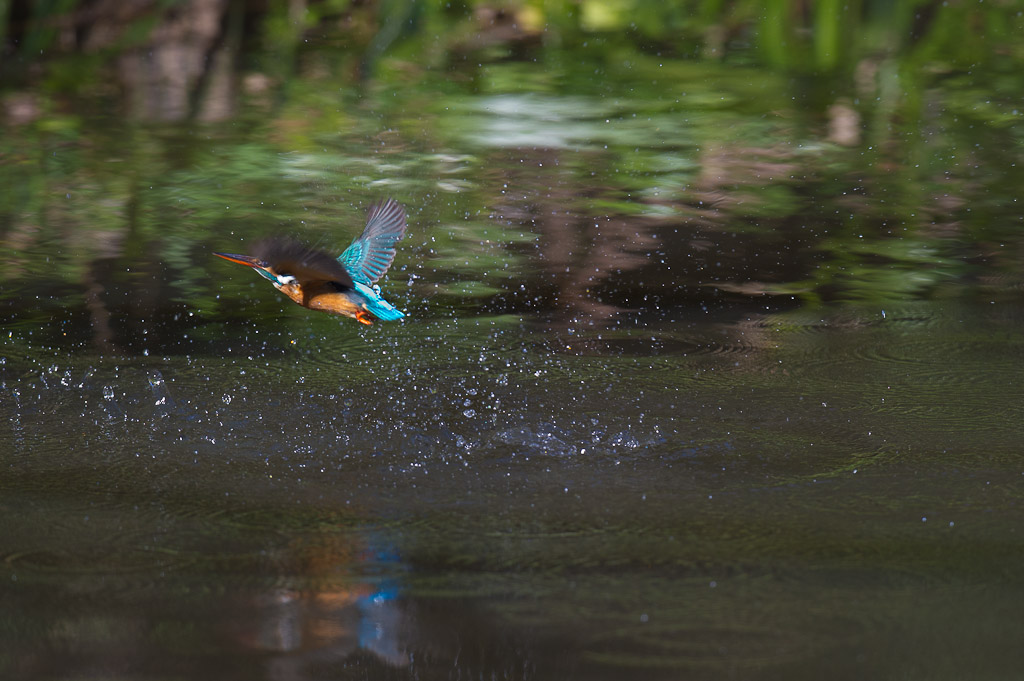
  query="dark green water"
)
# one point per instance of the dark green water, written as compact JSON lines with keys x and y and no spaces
{"x":773,"y":496}
{"x":693,"y":384}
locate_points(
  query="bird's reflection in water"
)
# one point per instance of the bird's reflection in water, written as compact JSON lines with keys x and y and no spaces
{"x":326,"y":618}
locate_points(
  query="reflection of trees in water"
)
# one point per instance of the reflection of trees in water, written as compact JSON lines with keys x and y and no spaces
{"x":756,"y":214}
{"x":185,"y":65}
{"x":185,"y":56}
{"x":576,"y":253}
{"x":182,"y":67}
{"x":594,"y":267}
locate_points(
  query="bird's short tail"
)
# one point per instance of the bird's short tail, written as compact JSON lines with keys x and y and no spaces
{"x":386,"y":314}
{"x":384,"y":310}
{"x":375,"y":305}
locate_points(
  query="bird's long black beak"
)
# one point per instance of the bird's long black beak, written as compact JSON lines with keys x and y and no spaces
{"x":242,"y":259}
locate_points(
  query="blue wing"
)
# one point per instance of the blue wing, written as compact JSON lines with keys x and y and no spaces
{"x":370,"y":256}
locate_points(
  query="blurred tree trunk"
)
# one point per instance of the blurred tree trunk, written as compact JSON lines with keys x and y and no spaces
{"x":162,"y":76}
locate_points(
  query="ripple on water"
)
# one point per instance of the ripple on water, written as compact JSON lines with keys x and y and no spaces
{"x":97,"y":538}
{"x":642,"y":343}
{"x":695,"y":646}
{"x":107,"y":559}
{"x":907,"y":363}
{"x":870,"y":347}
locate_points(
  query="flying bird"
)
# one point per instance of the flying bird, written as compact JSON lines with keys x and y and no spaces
{"x":345,"y":285}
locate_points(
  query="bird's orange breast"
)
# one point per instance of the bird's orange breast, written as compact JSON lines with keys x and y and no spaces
{"x":325,"y":298}
{"x":335,"y":303}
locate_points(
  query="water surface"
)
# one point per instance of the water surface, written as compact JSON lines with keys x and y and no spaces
{"x":690,"y":386}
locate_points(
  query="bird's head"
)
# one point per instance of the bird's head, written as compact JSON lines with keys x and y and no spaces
{"x":266,"y":270}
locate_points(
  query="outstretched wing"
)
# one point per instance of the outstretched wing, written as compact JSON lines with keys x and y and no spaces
{"x":370,"y":256}
{"x":308,"y":265}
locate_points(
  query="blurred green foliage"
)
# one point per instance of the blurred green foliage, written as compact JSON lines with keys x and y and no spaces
{"x":674,"y":152}
{"x":817,"y":37}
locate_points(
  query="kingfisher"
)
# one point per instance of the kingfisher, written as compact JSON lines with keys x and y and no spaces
{"x":346,"y":285}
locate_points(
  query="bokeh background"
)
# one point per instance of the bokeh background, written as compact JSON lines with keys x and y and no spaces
{"x":711,"y":366}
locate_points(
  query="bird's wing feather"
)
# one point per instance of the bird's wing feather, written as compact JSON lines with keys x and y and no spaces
{"x":308,"y":265}
{"x":370,"y":255}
